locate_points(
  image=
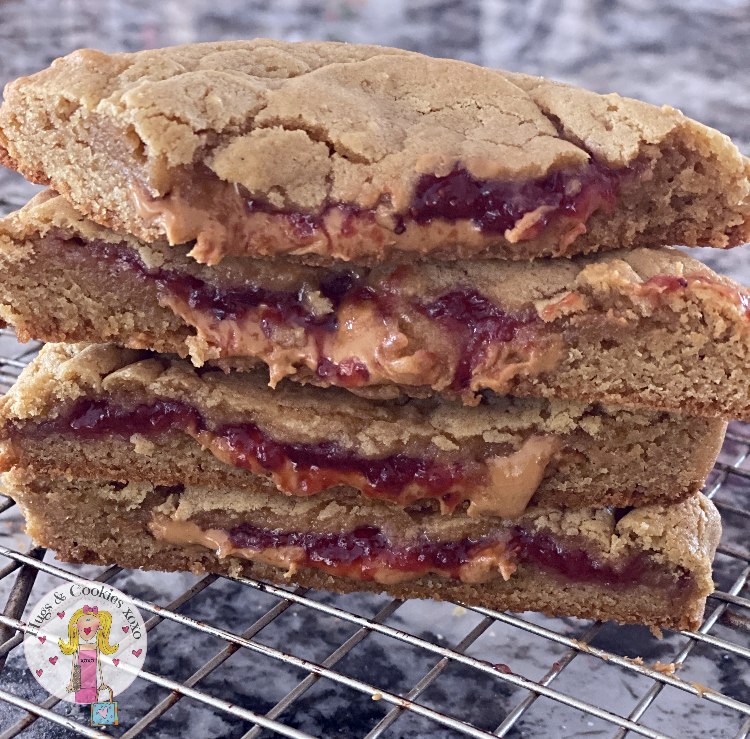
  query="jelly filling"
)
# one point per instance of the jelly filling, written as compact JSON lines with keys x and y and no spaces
{"x":91,"y":419}
{"x":476,"y":323}
{"x":363,"y":548}
{"x":368,"y":547}
{"x":672,"y":283}
{"x":575,"y":563}
{"x":318,"y":466}
{"x":470,"y":318}
{"x":231,"y":303}
{"x":387,"y":476}
{"x":351,"y":372}
{"x":495,"y":206}
{"x":668,"y":283}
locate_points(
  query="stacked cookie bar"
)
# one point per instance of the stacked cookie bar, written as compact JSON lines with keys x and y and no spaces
{"x":364,"y":320}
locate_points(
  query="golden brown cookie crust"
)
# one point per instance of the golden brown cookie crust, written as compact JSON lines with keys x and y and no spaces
{"x":302,"y":126}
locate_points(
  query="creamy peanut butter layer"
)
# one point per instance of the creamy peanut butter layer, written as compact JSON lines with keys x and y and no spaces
{"x":361,"y":153}
{"x":648,"y":328}
{"x":105,"y":413}
{"x":649,"y":565}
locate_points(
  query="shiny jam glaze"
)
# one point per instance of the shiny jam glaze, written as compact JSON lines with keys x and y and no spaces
{"x":495,"y":206}
{"x":350,"y":372}
{"x":93,"y":419}
{"x":385,"y":476}
{"x":316,"y":467}
{"x":668,"y":283}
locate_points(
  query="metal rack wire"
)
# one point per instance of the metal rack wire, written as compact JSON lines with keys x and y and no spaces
{"x":724,"y":633}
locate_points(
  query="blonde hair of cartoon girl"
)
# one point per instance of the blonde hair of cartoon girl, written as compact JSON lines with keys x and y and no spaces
{"x":88,"y":637}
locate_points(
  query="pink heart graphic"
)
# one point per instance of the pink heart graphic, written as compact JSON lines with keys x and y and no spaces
{"x":42,"y":639}
{"x":126,"y":629}
{"x":39,"y":673}
{"x":61,"y":614}
{"x":87,"y":630}
{"x":102,"y":712}
{"x":53,"y":660}
{"x":115,"y":662}
{"x":137,"y":652}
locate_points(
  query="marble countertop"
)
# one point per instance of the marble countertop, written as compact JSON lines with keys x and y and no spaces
{"x":690,"y":54}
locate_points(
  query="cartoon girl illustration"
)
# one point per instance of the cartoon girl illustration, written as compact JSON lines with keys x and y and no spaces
{"x":88,"y":637}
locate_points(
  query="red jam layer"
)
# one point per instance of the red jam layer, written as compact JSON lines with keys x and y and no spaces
{"x":230,"y":303}
{"x":544,"y":550}
{"x":364,"y":549}
{"x":475,"y":322}
{"x":386,"y":477}
{"x":495,"y":206}
{"x":93,"y":419}
{"x":472,"y":320}
{"x":368,"y":548}
{"x":316,"y":466}
{"x":492,"y":206}
{"x":668,"y":283}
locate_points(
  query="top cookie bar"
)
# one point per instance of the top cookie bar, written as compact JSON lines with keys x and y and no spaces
{"x":336,"y":151}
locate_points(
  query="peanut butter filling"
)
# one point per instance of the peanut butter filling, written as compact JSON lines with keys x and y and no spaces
{"x":495,"y":479}
{"x":502,"y":487}
{"x":411,"y":350}
{"x":514,"y":479}
{"x":482,"y":561}
{"x":455,"y":213}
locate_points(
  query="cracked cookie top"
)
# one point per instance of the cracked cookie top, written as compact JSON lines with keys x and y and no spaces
{"x":328,"y":150}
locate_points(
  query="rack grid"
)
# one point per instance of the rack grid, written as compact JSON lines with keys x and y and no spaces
{"x":337,"y":665}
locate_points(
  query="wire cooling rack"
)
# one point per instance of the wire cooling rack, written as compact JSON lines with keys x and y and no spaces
{"x":380,"y":666}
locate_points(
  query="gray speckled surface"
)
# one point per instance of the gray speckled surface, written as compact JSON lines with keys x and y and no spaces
{"x":690,"y":54}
